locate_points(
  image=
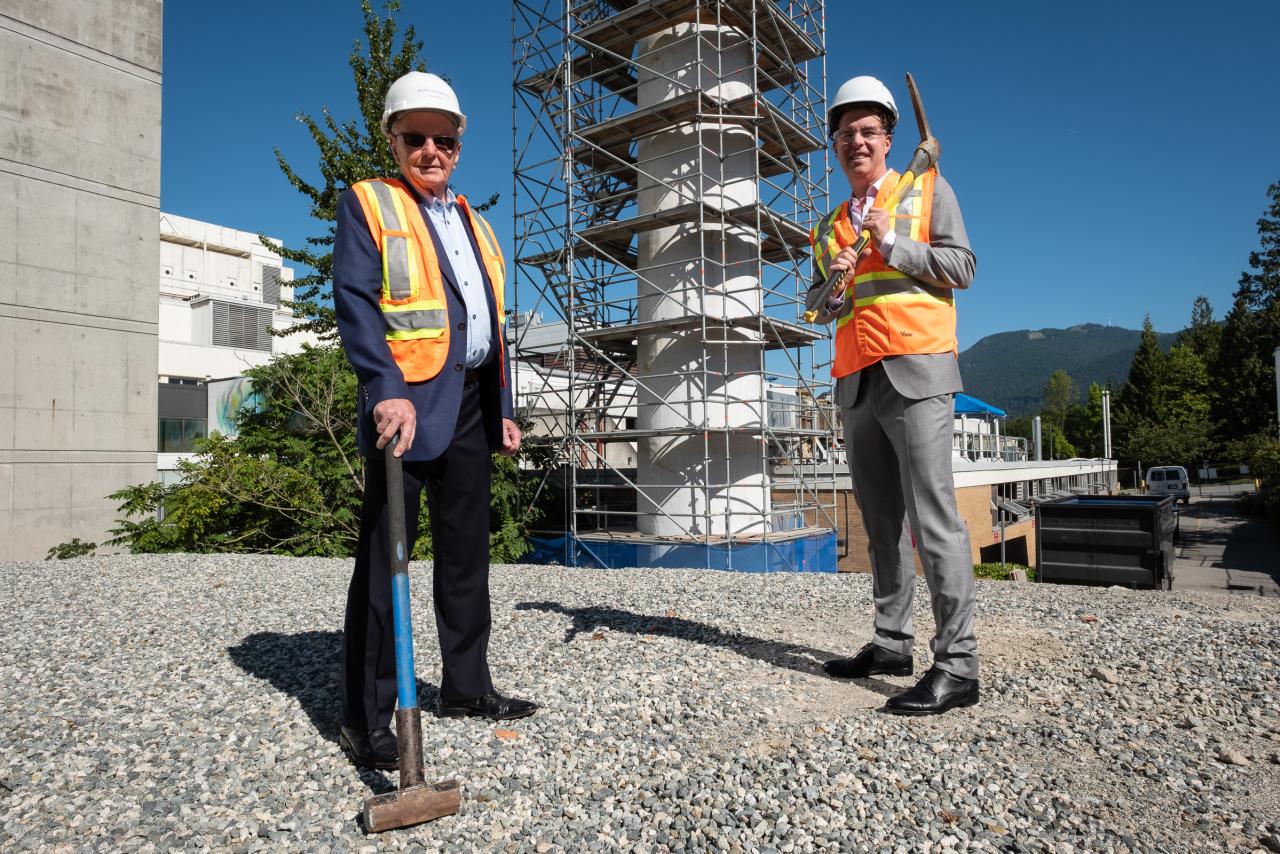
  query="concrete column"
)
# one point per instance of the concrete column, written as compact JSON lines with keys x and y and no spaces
{"x":1106,"y":424}
{"x":687,"y":270}
{"x":79,"y":260}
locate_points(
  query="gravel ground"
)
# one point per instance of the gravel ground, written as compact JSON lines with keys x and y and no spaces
{"x":190,"y":702}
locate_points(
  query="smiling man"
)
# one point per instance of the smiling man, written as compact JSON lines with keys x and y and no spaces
{"x":896,"y":372}
{"x":418,"y":283}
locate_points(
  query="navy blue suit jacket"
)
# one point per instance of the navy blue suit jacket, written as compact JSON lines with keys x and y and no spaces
{"x":357,"y":291}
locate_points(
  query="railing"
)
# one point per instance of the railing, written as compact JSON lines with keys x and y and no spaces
{"x":989,"y":446}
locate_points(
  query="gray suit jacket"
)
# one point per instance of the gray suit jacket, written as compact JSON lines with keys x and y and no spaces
{"x":946,"y":261}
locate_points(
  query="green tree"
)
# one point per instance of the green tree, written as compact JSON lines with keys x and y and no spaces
{"x":1139,"y":396}
{"x":1167,"y":422}
{"x":1018,"y":425}
{"x":1245,"y":400}
{"x":1204,"y":335}
{"x":1083,"y":425}
{"x":291,"y":481}
{"x":1059,"y":394}
{"x":349,"y":151}
{"x":1057,"y":445}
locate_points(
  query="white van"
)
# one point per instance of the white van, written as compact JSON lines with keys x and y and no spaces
{"x":1169,"y":480}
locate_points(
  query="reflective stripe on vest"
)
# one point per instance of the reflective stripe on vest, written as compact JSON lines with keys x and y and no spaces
{"x":892,"y":314}
{"x":413,"y":299}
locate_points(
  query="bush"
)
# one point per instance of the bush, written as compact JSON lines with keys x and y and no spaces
{"x":1265,"y":466}
{"x":291,"y":482}
{"x":75,"y":548}
{"x":1001,"y":573}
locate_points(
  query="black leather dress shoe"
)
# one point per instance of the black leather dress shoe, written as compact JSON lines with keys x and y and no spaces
{"x":870,"y":661}
{"x":493,"y":706}
{"x":936,"y":692}
{"x":375,"y":748}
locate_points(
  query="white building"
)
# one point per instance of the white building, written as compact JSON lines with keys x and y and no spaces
{"x":221,"y":295}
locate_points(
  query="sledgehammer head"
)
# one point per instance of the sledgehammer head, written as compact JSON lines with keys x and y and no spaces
{"x":415,"y":801}
{"x":414,"y":805}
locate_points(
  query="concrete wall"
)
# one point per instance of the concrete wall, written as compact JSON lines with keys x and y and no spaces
{"x":79,"y":248}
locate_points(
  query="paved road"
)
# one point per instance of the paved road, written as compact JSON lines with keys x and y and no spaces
{"x":1218,"y":549}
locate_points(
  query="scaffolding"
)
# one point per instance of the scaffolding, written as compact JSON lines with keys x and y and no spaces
{"x":670,"y":160}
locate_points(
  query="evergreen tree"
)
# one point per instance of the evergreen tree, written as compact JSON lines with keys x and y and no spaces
{"x":1204,"y":335}
{"x":1084,"y":423}
{"x":1141,"y":392}
{"x":1166,"y":422}
{"x":1245,"y":398}
{"x":349,"y":151}
{"x":1059,"y":394}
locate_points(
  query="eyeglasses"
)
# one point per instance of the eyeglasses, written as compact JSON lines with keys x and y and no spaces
{"x":416,"y":140}
{"x":846,"y":137}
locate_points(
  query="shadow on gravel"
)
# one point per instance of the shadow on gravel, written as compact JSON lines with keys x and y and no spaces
{"x":308,"y":667}
{"x":804,"y":659}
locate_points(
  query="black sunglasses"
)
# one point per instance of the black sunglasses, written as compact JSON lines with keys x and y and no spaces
{"x":416,"y":140}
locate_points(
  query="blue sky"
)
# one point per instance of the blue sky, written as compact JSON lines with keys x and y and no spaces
{"x":1111,"y":159}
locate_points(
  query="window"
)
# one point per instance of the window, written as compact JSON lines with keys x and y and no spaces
{"x":1157,"y":474}
{"x":179,"y":435}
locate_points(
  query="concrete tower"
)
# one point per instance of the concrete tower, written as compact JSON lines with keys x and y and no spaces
{"x":710,"y":484}
{"x":79,"y":252}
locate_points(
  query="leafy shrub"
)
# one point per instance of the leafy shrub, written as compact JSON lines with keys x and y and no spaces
{"x":1001,"y":573}
{"x":291,"y":482}
{"x":76,"y":547}
{"x":1265,"y":466}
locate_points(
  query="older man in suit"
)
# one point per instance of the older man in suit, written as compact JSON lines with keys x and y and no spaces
{"x":896,"y":372}
{"x":418,"y":293}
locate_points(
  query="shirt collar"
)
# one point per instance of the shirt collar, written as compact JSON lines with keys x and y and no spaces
{"x":438,"y":204}
{"x":871,"y":192}
{"x":434,"y":203}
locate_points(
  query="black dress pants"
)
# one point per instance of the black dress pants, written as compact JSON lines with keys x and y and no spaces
{"x":457,"y":487}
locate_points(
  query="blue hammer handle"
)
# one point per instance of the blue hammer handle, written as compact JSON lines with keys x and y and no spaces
{"x":406,"y":680}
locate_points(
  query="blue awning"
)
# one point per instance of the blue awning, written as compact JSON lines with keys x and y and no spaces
{"x":966,"y":405}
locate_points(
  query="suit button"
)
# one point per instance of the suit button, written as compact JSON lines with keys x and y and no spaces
{"x":461,"y":326}
{"x":457,"y":367}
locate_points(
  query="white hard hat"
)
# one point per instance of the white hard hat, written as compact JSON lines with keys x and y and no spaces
{"x":419,"y":90}
{"x":860,"y":90}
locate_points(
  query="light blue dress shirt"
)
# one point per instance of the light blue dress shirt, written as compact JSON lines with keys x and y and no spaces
{"x":446,"y":216}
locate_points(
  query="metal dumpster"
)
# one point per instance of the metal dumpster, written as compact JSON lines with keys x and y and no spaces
{"x":1107,"y":539}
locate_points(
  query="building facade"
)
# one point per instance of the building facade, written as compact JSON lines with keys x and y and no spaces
{"x":79,"y":203}
{"x":222,"y":295}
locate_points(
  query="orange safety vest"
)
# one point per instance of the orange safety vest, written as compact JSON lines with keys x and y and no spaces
{"x":893,"y":314}
{"x":413,"y":301}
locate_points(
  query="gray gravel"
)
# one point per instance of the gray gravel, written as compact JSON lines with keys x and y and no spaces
{"x":190,"y":702}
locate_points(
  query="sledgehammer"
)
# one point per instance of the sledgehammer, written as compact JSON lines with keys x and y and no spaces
{"x":925,"y":157}
{"x":415,"y":801}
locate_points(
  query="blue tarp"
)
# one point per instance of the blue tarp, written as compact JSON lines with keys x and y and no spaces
{"x":966,"y":405}
{"x":815,"y":553}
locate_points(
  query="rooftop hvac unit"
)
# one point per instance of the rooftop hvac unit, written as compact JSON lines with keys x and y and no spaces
{"x":271,"y":285}
{"x":221,"y":323}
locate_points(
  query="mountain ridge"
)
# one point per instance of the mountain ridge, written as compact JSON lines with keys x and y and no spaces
{"x":1010,"y":369}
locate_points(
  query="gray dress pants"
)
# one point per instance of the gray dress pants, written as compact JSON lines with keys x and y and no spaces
{"x":900,"y":459}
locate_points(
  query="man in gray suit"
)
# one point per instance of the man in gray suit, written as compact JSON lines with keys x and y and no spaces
{"x":896,"y":372}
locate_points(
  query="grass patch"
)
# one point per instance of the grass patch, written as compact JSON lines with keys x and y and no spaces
{"x":1001,"y":573}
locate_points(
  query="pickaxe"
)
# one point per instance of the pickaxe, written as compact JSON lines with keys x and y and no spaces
{"x":925,"y":157}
